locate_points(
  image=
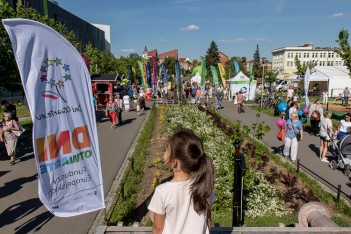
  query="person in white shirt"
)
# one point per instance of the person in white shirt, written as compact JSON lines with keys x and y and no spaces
{"x":183,"y":205}
{"x":290,"y":94}
{"x":126,"y":102}
{"x":325,"y":131}
{"x":344,"y":126}
{"x":325,"y":97}
{"x":293,"y":108}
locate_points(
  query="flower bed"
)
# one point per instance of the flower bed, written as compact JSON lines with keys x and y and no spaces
{"x":262,"y":197}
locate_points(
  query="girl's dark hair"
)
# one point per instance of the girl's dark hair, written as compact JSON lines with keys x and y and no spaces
{"x":188,"y":149}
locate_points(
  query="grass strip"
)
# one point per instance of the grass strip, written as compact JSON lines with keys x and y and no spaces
{"x":123,"y":211}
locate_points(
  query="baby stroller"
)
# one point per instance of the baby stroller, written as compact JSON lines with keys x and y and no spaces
{"x":343,"y":154}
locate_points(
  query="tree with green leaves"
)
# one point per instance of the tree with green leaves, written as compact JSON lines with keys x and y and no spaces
{"x":345,"y":52}
{"x":9,"y":75}
{"x":257,"y":62}
{"x":301,"y":68}
{"x":212,"y":56}
{"x":270,"y":76}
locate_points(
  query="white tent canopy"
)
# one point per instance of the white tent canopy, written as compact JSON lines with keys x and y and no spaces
{"x":337,"y":77}
{"x":242,"y":83}
{"x":196,"y":78}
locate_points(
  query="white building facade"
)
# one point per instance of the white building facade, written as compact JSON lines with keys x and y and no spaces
{"x":284,"y":58}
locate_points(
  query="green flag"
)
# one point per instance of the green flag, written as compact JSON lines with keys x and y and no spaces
{"x":251,"y":72}
{"x":203,"y":71}
{"x":214,"y":74}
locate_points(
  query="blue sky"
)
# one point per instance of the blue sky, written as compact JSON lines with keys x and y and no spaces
{"x":236,"y":26}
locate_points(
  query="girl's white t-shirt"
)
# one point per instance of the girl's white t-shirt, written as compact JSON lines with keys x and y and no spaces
{"x":345,"y":126}
{"x":325,"y":125}
{"x":173,"y":199}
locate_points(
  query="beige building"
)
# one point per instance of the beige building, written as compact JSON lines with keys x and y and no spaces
{"x":284,"y":58}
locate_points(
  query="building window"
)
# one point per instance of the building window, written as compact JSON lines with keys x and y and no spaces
{"x":299,"y":55}
{"x":332,"y":55}
{"x":312,"y":55}
{"x":324,"y":55}
{"x":323,"y":63}
{"x":304,"y":55}
{"x":320,"y":63}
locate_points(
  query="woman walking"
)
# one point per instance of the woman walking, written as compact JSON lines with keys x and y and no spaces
{"x":325,"y":131}
{"x":8,"y":137}
{"x":111,"y":110}
{"x":293,"y":131}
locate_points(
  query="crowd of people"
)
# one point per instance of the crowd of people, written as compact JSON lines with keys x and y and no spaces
{"x":133,"y":99}
{"x":320,"y":126}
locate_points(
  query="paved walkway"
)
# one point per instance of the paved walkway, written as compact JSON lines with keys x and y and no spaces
{"x":20,"y":208}
{"x":308,"y":149}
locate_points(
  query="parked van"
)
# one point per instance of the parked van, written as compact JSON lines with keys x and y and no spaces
{"x":282,"y":86}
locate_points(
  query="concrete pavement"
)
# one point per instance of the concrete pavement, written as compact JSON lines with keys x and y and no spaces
{"x":20,"y":208}
{"x":308,"y":149}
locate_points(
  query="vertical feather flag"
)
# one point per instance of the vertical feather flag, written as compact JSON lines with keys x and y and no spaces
{"x":154,"y":69}
{"x":222,"y":72}
{"x":134,"y":74}
{"x":160,"y":71}
{"x":214,"y":74}
{"x":58,"y":88}
{"x":142,"y":73}
{"x":148,"y":74}
{"x":177,"y":70}
{"x":203,"y":71}
{"x":306,"y":84}
{"x":251,"y":72}
{"x":129,"y":73}
{"x":237,"y":69}
{"x":165,"y":74}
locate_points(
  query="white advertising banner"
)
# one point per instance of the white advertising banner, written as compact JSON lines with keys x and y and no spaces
{"x":57,"y":85}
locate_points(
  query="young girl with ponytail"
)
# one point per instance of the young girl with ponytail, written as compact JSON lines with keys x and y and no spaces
{"x":183,"y":205}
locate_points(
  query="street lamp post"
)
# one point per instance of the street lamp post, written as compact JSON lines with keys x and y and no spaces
{"x":262,"y":85}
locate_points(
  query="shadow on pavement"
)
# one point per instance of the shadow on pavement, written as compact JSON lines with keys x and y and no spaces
{"x":128,"y":121}
{"x":314,"y":149}
{"x":15,"y":185}
{"x":22,"y":209}
{"x":35,"y":223}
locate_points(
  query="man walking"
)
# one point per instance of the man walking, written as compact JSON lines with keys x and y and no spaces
{"x":346,"y":97}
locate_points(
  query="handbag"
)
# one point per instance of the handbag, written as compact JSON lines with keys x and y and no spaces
{"x":20,"y":130}
{"x":281,"y":134}
{"x":315,"y":114}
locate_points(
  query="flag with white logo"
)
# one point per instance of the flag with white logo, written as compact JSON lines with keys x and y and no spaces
{"x":57,"y":85}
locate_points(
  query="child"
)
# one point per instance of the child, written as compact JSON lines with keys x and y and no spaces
{"x":8,"y":137}
{"x":137,"y":107}
{"x":183,"y":205}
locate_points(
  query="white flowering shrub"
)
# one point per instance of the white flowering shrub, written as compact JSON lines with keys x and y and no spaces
{"x":263,"y":199}
{"x":216,"y":145}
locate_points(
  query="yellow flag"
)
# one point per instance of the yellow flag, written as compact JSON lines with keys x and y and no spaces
{"x":222,"y":72}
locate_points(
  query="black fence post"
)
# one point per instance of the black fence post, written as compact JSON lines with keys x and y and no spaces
{"x":338,"y":194}
{"x":132,"y":164}
{"x":298,"y":166}
{"x":122,"y":191}
{"x":237,"y":190}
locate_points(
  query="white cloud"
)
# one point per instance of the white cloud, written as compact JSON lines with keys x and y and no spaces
{"x":235,"y":40}
{"x":260,"y":39}
{"x":190,"y":28}
{"x":161,"y":40}
{"x":337,"y":15}
{"x":127,"y":50}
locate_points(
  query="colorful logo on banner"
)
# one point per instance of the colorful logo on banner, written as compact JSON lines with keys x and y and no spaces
{"x":55,"y":85}
{"x":243,"y":90}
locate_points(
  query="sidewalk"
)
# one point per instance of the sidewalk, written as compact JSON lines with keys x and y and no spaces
{"x":308,"y":151}
{"x":20,"y":208}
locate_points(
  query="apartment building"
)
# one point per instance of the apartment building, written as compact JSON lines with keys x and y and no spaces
{"x":284,"y":58}
{"x":85,"y":31}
